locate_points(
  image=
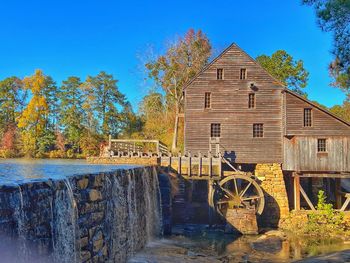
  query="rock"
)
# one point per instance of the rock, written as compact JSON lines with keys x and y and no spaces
{"x":97,"y":245}
{"x":94,"y":195}
{"x":83,"y":183}
{"x":85,"y":255}
{"x":270,"y":244}
{"x":338,"y":257}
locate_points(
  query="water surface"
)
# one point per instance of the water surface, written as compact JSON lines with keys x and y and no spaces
{"x":19,"y":170}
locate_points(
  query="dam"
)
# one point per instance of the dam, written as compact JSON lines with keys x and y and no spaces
{"x":69,"y":211}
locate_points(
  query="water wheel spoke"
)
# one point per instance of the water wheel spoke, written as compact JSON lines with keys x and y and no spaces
{"x":228,"y":192}
{"x":251,"y":198}
{"x":222,"y":202}
{"x":238,"y":190}
{"x":245,"y":190}
{"x":235,"y":182}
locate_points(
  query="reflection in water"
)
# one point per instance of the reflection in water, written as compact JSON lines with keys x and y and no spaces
{"x":17,"y":170}
{"x":214,"y":246}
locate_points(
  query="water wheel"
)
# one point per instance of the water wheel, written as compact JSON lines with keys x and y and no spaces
{"x":237,"y":191}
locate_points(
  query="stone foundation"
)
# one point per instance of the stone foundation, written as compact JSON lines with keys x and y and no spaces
{"x":241,"y":221}
{"x":276,"y":198}
{"x":103,"y":217}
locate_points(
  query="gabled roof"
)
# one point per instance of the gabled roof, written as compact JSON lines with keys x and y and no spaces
{"x":317,"y":106}
{"x":221,"y":55}
{"x":277,"y":81}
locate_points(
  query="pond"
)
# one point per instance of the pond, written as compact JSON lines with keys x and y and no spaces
{"x":196,"y":243}
{"x":22,"y":170}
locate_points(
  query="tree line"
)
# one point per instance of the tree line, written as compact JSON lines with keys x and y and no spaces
{"x":38,"y":118}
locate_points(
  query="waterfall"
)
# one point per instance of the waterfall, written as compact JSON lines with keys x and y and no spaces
{"x":64,"y":224}
{"x":99,"y":217}
{"x":20,"y":219}
{"x":151,"y":195}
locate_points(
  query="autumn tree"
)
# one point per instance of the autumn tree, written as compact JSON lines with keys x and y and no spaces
{"x":155,"y":117}
{"x":343,"y":111}
{"x":334,"y":16}
{"x":283,"y":67}
{"x":12,"y":101}
{"x":172,"y":70}
{"x":33,"y":120}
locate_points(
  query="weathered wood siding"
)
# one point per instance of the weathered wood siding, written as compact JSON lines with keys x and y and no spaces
{"x":323,"y":124}
{"x":300,"y":154}
{"x":229,"y":107}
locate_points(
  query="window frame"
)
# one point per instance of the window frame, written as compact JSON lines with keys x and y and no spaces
{"x":258,"y":130}
{"x":207,"y":99}
{"x":215,"y":128}
{"x":217,"y":74}
{"x":249,"y":101}
{"x":307,"y":119}
{"x":245,"y":73}
{"x":321,"y":145}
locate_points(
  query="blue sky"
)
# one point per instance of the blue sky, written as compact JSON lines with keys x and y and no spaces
{"x":65,"y":38}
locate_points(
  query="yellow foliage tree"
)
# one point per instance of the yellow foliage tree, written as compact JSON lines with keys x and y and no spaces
{"x":32,"y":121}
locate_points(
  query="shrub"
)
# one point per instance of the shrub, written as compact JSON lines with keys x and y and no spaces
{"x":57,"y":154}
{"x":7,"y":153}
{"x":325,"y":221}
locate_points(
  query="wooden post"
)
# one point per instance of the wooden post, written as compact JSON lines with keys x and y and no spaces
{"x":296,"y":192}
{"x":200,"y":164}
{"x":158,"y":151}
{"x":110,"y":142}
{"x":338,"y":198}
{"x":210,"y":202}
{"x":189,"y":164}
{"x":170,"y":161}
{"x":210,"y":165}
{"x":179,"y":164}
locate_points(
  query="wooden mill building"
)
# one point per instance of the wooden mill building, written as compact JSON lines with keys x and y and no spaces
{"x":235,"y":106}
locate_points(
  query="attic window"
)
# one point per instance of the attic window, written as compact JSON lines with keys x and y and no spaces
{"x":219,"y":73}
{"x":251,"y":101}
{"x":307,"y":117}
{"x":321,"y":145}
{"x":243,"y":73}
{"x":207,"y":100}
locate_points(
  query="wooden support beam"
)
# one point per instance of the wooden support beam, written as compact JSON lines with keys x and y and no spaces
{"x":200,"y":164}
{"x":189,"y":164}
{"x":338,"y":196}
{"x":306,"y":198}
{"x":210,"y":166}
{"x":346,"y":203}
{"x":296,"y":192}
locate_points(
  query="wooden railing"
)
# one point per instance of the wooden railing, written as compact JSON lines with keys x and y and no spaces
{"x":134,"y":147}
{"x":196,"y":166}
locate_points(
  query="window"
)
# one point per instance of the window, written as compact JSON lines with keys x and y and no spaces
{"x":321,"y":145}
{"x":219,"y":73}
{"x":251,"y":101}
{"x":243,"y":73}
{"x":215,"y":130}
{"x":207,"y":100}
{"x":258,"y":130}
{"x":307,"y":118}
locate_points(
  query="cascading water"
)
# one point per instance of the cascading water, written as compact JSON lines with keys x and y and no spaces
{"x":105,"y":217}
{"x":64,"y":224}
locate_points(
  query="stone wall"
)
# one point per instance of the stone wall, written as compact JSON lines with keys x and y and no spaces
{"x":276,"y":199}
{"x":102,"y":217}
